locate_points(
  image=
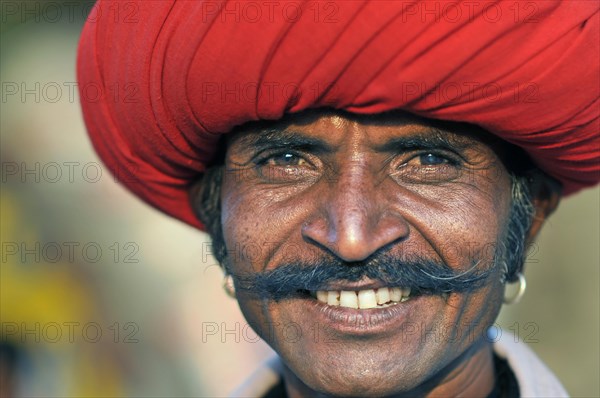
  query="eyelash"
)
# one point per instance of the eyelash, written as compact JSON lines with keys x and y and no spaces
{"x":263,"y":159}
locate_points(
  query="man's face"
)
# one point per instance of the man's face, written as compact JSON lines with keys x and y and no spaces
{"x":330,"y":188}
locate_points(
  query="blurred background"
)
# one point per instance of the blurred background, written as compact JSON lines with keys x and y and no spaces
{"x":102,"y":296}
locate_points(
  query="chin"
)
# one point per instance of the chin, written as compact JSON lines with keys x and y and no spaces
{"x":360,"y":373}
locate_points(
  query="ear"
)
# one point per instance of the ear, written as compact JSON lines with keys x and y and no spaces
{"x":205,"y":197}
{"x":545,"y":196}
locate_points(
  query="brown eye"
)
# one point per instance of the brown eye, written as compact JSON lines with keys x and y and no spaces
{"x":285,"y":159}
{"x":284,"y":166}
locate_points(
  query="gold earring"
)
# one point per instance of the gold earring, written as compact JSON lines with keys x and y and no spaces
{"x":228,"y":286}
{"x":517,"y":297}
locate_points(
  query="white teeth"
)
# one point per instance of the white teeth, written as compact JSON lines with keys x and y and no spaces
{"x":348,"y":299}
{"x":395,"y":294}
{"x":333,"y":298}
{"x":367,"y":299}
{"x":322,"y":295}
{"x":364,"y":299}
{"x":383,"y":295}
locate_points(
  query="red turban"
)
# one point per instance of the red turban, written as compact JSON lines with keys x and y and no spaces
{"x":161,"y":80}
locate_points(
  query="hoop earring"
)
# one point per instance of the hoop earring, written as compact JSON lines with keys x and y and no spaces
{"x":228,"y":286}
{"x":517,"y":297}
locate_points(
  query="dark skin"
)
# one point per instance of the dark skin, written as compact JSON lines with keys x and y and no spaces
{"x":349,"y":186}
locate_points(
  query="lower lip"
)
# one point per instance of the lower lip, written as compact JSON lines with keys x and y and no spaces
{"x":362,"y":322}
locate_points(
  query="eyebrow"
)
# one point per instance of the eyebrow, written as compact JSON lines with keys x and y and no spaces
{"x":432,"y":138}
{"x":282,"y":138}
{"x":275,"y":138}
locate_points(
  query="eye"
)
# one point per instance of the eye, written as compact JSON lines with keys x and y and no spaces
{"x":284,"y":159}
{"x":428,"y":167}
{"x":431,"y":159}
{"x":284,"y":166}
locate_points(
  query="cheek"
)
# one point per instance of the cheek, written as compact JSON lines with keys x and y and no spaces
{"x":477,"y":313}
{"x":240,"y":218}
{"x":261,"y":226}
{"x":256,"y":316}
{"x":460,"y":224}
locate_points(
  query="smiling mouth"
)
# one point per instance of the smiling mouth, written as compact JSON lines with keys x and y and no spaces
{"x":363,"y":299}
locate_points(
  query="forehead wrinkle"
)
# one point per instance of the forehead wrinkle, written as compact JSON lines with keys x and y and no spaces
{"x":338,"y":121}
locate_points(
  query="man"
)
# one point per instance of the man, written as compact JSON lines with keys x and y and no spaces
{"x":383,"y":172}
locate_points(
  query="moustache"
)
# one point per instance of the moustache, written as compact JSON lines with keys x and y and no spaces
{"x":422,"y":276}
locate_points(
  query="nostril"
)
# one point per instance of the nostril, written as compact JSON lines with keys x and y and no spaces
{"x":355,"y":239}
{"x":317,"y":231}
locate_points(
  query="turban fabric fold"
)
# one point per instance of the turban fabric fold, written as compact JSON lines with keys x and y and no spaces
{"x":160,"y":81}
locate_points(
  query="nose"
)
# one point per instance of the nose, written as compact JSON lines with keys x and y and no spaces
{"x":355,"y":218}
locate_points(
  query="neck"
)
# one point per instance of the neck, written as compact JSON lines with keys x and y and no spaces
{"x":472,"y":374}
